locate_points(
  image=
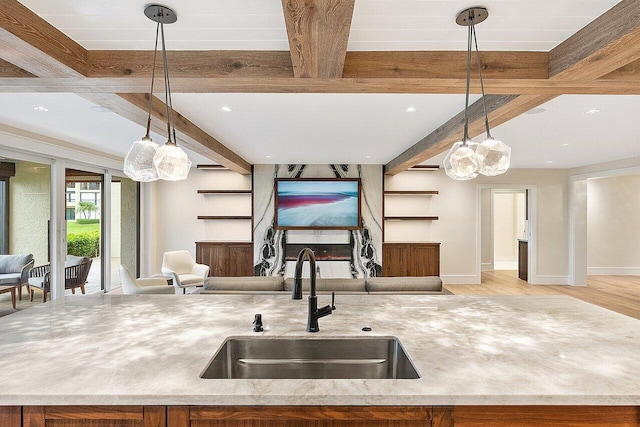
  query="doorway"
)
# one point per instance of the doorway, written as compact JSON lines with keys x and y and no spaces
{"x":508,"y":227}
{"x":84,"y":214}
{"x":506,"y":230}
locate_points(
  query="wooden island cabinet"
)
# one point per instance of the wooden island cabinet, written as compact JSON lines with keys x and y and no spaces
{"x":319,"y":416}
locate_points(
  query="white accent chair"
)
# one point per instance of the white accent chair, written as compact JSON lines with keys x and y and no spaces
{"x":133,"y":286}
{"x":180,"y":266}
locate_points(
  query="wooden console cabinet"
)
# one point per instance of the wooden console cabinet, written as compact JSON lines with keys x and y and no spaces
{"x":411,"y":259}
{"x":228,"y":259}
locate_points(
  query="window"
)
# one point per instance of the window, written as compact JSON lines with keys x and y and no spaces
{"x":71,"y":196}
{"x":86,"y":196}
{"x":89,"y":185}
{"x":70,"y":214}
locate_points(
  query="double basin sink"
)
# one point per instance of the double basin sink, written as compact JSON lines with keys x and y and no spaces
{"x":311,"y":358}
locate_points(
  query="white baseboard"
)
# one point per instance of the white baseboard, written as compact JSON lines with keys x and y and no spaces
{"x":548,"y":280}
{"x":486,"y":266}
{"x":613,"y":271}
{"x":461,"y":280}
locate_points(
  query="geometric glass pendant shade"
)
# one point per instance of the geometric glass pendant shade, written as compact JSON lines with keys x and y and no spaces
{"x":493,"y":157}
{"x":466,"y":159}
{"x":138,"y":164}
{"x":171,"y":162}
{"x":147,"y":161}
{"x":460,"y":163}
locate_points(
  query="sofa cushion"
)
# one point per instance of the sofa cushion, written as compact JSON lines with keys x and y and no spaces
{"x":329,"y":285}
{"x":404,"y":284}
{"x":14,"y":263}
{"x":10,"y":278}
{"x":38,"y":282}
{"x":190,"y":279}
{"x":75,"y":260}
{"x":247,"y":283}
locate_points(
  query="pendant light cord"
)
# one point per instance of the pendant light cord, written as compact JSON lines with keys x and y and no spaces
{"x":484,"y":102}
{"x":153,"y":78}
{"x":465,"y":136}
{"x":171,"y":129}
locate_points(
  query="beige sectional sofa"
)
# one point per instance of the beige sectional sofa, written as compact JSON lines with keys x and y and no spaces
{"x":373,"y":285}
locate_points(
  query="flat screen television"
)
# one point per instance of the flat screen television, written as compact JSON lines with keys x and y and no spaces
{"x":317,"y":204}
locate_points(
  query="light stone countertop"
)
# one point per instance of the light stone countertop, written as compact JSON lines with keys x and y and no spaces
{"x":470,"y":350}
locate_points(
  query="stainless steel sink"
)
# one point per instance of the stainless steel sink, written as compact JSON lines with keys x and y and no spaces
{"x":263,"y":358}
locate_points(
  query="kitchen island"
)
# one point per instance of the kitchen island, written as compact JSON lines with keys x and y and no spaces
{"x":142,"y":356}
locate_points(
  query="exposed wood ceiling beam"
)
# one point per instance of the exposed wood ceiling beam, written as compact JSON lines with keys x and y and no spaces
{"x":135,"y":108}
{"x":318,"y":31}
{"x":192,"y":136}
{"x":34,"y":45}
{"x":31,"y":43}
{"x":357,"y":65}
{"x":293,"y":85}
{"x":609,"y":42}
{"x":7,"y":69}
{"x":628,"y":72}
{"x":191,"y":63}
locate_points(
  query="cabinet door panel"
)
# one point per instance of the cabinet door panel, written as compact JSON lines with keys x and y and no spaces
{"x":394,"y":260}
{"x":240,"y":260}
{"x":300,"y":416}
{"x":94,"y":416}
{"x":214,"y":255}
{"x":425,"y":261}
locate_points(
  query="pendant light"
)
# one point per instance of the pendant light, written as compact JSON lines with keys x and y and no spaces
{"x":466,"y":159}
{"x":146,"y":161}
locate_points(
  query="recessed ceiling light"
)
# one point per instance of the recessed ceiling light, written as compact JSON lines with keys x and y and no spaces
{"x":536,"y":111}
{"x":410,"y":110}
{"x":226,"y":109}
{"x":564,"y":145}
{"x":41,"y":109}
{"x":550,"y":161}
{"x":367,"y":157}
{"x":592,"y":111}
{"x":268,"y":157}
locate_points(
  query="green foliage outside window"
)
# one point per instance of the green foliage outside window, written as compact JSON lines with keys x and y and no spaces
{"x":86,"y":244}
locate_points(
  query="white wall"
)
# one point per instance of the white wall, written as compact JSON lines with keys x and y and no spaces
{"x":456,"y":205}
{"x":613,"y":225}
{"x":504,"y":227}
{"x":29,"y":211}
{"x":175,"y":206}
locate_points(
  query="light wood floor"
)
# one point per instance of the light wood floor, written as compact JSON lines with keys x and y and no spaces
{"x":617,"y":293}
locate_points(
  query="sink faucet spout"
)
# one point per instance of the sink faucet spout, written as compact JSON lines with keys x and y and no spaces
{"x":296,"y":293}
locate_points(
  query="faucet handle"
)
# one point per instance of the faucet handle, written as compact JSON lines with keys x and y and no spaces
{"x":333,"y":301}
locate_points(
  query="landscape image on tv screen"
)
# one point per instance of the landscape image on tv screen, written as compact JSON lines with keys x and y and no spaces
{"x":317,"y":203}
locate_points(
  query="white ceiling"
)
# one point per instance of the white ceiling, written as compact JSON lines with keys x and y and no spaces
{"x":74,"y":119}
{"x":318,"y":128}
{"x":334,"y":128}
{"x":377,"y":24}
